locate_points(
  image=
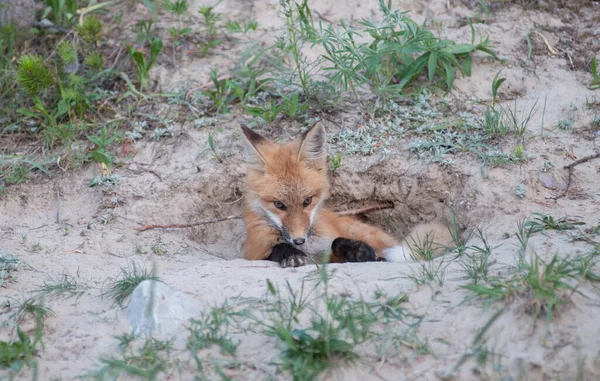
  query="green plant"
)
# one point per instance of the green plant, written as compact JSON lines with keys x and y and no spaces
{"x":334,"y":327}
{"x":212,"y":328}
{"x":543,"y":286}
{"x":309,"y":355}
{"x":213,"y":148}
{"x":223,"y":94}
{"x":95,"y":61}
{"x":267,"y":112}
{"x":524,"y":232}
{"x":595,"y":84}
{"x":477,"y":263}
{"x":16,"y":174}
{"x":145,"y":362}
{"x":298,"y":19}
{"x":463,"y":136}
{"x":63,"y":133}
{"x":177,"y":34}
{"x":121,"y":287}
{"x":179,"y":7}
{"x":73,"y":101}
{"x":519,"y":152}
{"x":425,"y":252}
{"x":211,"y":18}
{"x":90,"y":30}
{"x":459,"y":236}
{"x":33,"y":308}
{"x":496,"y":83}
{"x":143,"y":64}
{"x":17,"y":170}
{"x":8,"y":45}
{"x":584,"y":265}
{"x":8,"y":265}
{"x":246,"y":26}
{"x":335,"y":162}
{"x":546,"y":222}
{"x":15,"y":354}
{"x":100,"y":153}
{"x":291,"y":107}
{"x":520,"y":191}
{"x":49,"y":107}
{"x":63,"y":12}
{"x":400,"y":51}
{"x":67,"y":286}
{"x":144,"y":32}
{"x":33,"y":75}
{"x":493,"y":122}
{"x":565,"y":124}
{"x":67,"y":54}
{"x":518,"y":125}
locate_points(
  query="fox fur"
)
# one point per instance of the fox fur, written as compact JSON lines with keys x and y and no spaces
{"x":287,"y":186}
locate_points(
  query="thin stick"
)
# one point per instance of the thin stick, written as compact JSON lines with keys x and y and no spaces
{"x":183,"y":226}
{"x":570,"y":176}
{"x":57,"y":205}
{"x":352,"y":212}
{"x":366,"y":209}
{"x":582,"y":160}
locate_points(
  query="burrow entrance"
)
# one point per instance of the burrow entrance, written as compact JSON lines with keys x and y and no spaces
{"x":419,"y":193}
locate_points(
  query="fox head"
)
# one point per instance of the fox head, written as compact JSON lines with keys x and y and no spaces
{"x":287,"y":183}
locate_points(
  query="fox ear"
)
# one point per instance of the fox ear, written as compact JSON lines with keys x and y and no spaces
{"x":252,"y":141}
{"x":312,"y":144}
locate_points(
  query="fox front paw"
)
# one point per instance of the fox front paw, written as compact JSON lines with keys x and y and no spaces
{"x":350,"y":250}
{"x":288,"y":256}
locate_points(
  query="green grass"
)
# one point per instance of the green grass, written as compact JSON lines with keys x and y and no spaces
{"x":62,"y":86}
{"x":8,"y":265}
{"x":212,"y":328}
{"x":145,"y":362}
{"x":477,"y":260}
{"x":542,"y":222}
{"x":66,"y":286}
{"x":542,"y":286}
{"x":35,"y":309}
{"x":425,"y":252}
{"x":119,"y":288}
{"x":595,"y":84}
{"x":336,"y":326}
{"x":315,"y":332}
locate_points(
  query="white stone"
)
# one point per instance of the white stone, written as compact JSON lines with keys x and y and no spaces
{"x":156,"y":310}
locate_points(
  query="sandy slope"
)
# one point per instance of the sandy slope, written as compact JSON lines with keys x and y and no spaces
{"x":176,"y":180}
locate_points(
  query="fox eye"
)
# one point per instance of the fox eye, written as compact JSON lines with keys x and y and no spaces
{"x":279,"y":205}
{"x":307,"y":202}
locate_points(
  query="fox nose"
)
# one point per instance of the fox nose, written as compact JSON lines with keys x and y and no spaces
{"x":299,"y":241}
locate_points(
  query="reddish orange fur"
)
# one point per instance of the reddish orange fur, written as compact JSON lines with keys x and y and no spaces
{"x":290,"y":173}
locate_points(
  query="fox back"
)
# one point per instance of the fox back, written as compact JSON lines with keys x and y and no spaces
{"x":286,"y":184}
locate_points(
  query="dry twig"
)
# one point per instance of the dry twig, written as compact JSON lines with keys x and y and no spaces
{"x":183,"y":226}
{"x":366,"y":209}
{"x":570,"y":167}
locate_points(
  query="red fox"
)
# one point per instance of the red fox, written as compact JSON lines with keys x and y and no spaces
{"x":284,"y":213}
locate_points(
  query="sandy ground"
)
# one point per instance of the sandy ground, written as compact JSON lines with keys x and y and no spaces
{"x":62,"y":225}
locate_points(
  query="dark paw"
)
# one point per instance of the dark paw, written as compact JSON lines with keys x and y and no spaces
{"x":288,"y":256}
{"x":349,"y":250}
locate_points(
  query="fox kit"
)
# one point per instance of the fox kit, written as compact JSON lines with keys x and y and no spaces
{"x":284,"y":212}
